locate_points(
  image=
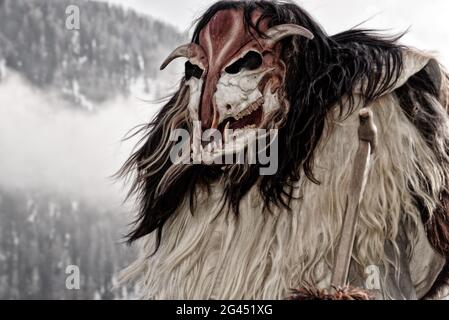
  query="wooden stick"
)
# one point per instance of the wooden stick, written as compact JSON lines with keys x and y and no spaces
{"x":367,"y":144}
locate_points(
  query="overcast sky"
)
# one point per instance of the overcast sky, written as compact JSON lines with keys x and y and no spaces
{"x":426,"y":19}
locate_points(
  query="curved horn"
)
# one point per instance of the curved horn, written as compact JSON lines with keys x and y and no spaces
{"x":189,"y":51}
{"x":277,"y":33}
{"x":182,"y":51}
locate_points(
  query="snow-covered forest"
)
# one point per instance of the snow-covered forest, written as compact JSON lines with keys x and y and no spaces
{"x":56,"y":89}
{"x":112,"y":49}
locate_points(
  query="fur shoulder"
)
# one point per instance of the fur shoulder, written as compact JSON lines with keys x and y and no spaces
{"x":423,"y":97}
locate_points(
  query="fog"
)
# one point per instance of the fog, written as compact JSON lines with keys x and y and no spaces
{"x":45,"y":144}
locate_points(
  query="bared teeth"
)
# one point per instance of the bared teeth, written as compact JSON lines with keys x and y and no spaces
{"x":250,"y":109}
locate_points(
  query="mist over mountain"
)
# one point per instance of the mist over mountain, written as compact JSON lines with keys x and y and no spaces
{"x":114,"y":50}
{"x":67,"y":98}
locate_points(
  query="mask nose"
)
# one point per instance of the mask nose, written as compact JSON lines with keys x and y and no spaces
{"x":208,"y":110}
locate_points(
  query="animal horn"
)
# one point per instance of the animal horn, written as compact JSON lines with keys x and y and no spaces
{"x":277,"y":33}
{"x":189,"y":51}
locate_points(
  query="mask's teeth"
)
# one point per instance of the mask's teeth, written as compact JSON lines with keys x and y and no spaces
{"x":250,"y":109}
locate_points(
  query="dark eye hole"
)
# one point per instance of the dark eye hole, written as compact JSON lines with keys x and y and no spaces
{"x":251,"y":61}
{"x":193,"y":70}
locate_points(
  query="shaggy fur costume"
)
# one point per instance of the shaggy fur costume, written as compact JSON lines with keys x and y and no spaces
{"x":231,"y":235}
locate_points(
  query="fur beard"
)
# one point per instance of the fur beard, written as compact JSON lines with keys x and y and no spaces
{"x":264,"y":255}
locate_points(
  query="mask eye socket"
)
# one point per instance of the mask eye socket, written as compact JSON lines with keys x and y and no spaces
{"x":192,"y":70}
{"x":251,"y":61}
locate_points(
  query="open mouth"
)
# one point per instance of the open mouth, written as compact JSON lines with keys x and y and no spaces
{"x":250,"y":118}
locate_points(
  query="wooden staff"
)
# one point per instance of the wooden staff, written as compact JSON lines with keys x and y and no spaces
{"x":367,"y":144}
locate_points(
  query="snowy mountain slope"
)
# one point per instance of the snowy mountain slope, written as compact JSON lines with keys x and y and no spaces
{"x":113,"y":49}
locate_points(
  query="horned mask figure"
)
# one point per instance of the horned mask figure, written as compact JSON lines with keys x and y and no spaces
{"x":361,"y":185}
{"x":236,"y":77}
